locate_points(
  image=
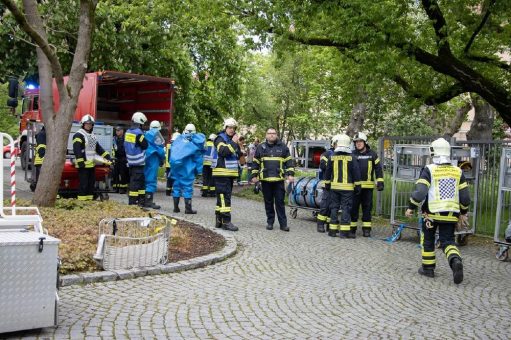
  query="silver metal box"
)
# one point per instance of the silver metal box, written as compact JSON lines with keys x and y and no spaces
{"x":28,"y":280}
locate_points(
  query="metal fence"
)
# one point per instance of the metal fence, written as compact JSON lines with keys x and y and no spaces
{"x":488,"y":182}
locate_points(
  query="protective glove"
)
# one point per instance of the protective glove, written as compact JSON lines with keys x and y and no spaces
{"x":81,"y":165}
{"x":327,"y":186}
{"x":379,"y":186}
{"x":357,"y":190}
{"x":161,"y":163}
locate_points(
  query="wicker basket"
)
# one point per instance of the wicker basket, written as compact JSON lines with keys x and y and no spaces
{"x":126,"y":243}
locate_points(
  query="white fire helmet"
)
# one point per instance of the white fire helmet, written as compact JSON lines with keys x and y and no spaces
{"x":155,"y":125}
{"x":360,"y":136}
{"x":230,"y":122}
{"x":139,"y":118}
{"x":342,"y":143}
{"x":87,"y":119}
{"x":440,"y":148}
{"x":189,"y":128}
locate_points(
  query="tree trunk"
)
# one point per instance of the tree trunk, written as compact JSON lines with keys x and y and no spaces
{"x":57,"y":124}
{"x":482,"y":125}
{"x":358,"y":116}
{"x":459,"y":118}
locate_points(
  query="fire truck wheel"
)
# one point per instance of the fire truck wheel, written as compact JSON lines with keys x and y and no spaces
{"x":23,"y":156}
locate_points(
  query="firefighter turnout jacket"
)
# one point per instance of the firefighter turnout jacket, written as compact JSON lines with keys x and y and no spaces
{"x":272,"y":162}
{"x":228,"y":155}
{"x":135,"y":146}
{"x":85,"y":148}
{"x":209,"y":154}
{"x":370,"y":167}
{"x":323,"y":162}
{"x":445,"y":193}
{"x":40,"y":149}
{"x":342,"y":172}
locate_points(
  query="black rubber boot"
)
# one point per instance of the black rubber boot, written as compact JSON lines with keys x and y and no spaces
{"x":204,"y":193}
{"x":218,"y":221}
{"x":352,"y":233}
{"x":332,"y":233}
{"x":284,"y":228}
{"x":366,"y":232}
{"x":269,"y":226}
{"x":229,"y":226}
{"x":122,"y":191}
{"x":132,"y":200}
{"x":429,"y":272}
{"x":320,"y":227}
{"x":188,"y":206}
{"x":168,"y":192}
{"x":457,"y":270}
{"x":149,"y":201}
{"x":176,"y":205}
{"x":344,"y":234}
{"x":141,"y":201}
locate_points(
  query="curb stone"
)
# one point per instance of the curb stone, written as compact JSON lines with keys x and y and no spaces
{"x":227,"y":251}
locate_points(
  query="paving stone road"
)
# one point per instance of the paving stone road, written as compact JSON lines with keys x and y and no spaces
{"x":298,"y":285}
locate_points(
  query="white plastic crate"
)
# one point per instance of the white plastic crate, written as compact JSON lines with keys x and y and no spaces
{"x":126,"y":243}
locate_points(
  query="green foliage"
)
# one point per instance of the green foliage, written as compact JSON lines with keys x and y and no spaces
{"x":8,"y":122}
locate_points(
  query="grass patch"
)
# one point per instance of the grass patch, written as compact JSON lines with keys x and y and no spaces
{"x":75,"y":223}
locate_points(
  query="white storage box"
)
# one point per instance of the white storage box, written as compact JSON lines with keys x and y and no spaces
{"x":28,"y":280}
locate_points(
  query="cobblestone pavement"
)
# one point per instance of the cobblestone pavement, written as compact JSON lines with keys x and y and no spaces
{"x":300,"y":284}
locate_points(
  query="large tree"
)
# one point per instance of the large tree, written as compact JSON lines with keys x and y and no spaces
{"x":435,"y":50}
{"x":32,"y":22}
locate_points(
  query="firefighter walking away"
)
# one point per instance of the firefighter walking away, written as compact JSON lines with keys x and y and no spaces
{"x":445,"y":195}
{"x":370,"y":169}
{"x":135,"y":146}
{"x":342,"y":178}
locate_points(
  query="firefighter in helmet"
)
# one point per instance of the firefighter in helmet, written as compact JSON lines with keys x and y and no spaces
{"x":121,"y":176}
{"x":225,"y":172}
{"x":208,"y":186}
{"x":186,"y":164}
{"x":324,"y":205}
{"x":445,"y":197}
{"x":370,"y":170}
{"x":135,"y":145}
{"x":342,"y":178}
{"x":86,"y":148}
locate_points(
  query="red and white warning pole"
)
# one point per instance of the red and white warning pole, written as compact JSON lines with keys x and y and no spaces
{"x":13,"y":175}
{"x":13,"y":178}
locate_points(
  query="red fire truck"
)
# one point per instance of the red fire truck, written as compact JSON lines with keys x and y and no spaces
{"x":111,"y":98}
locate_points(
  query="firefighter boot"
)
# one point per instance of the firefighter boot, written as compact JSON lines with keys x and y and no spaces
{"x":176,"y":205}
{"x":457,"y":269}
{"x":141,"y":200}
{"x":353,"y":232}
{"x":344,"y":234}
{"x":229,"y":226}
{"x":284,"y":228}
{"x":218,"y":220}
{"x":188,"y":206}
{"x":429,"y":272}
{"x":149,"y":201}
{"x":132,"y":200}
{"x":332,"y":233}
{"x":321,"y":227}
{"x":366,"y":232}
